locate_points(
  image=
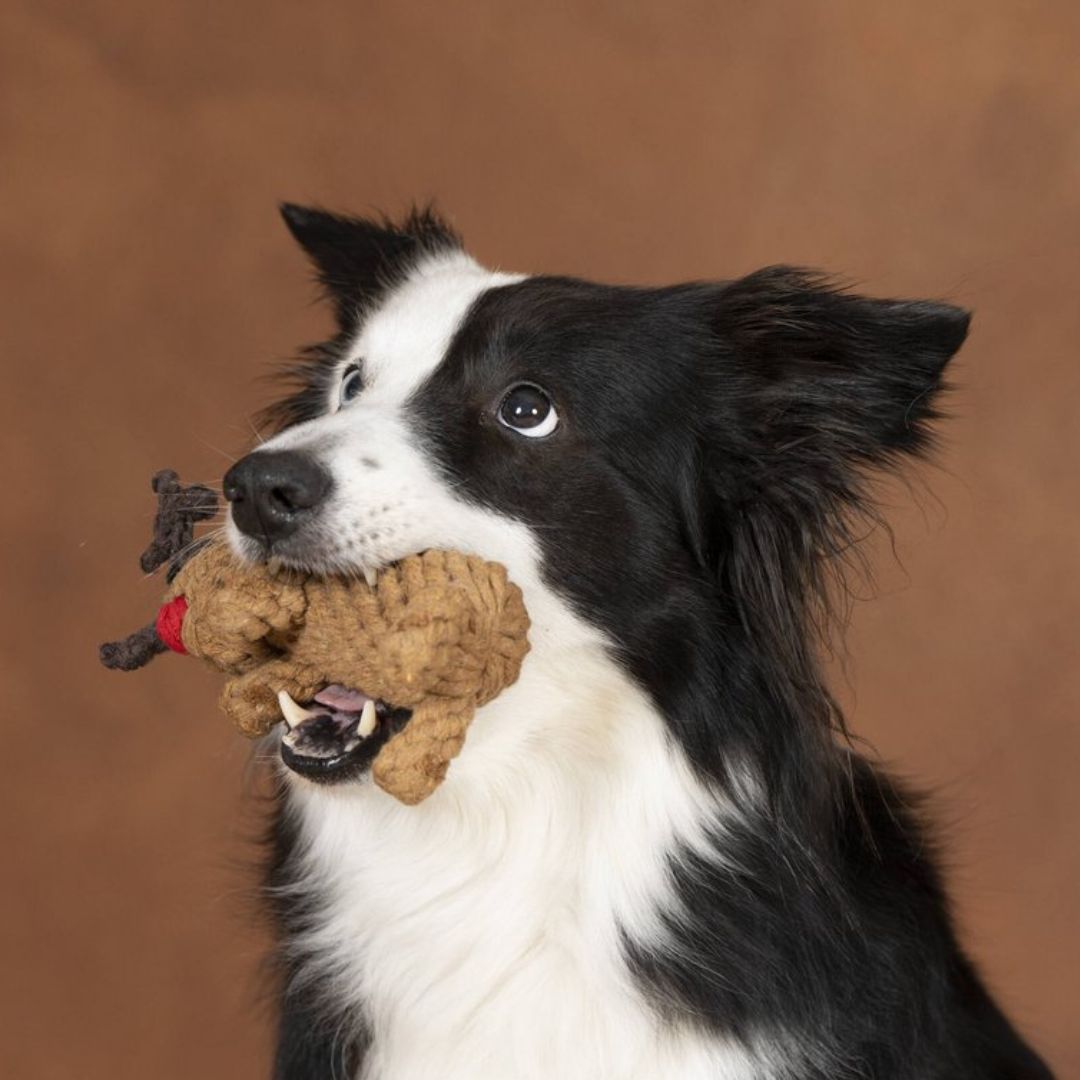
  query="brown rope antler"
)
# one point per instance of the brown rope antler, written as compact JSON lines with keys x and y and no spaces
{"x":179,"y":510}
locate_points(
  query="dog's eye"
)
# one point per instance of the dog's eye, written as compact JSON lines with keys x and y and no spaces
{"x":528,"y":410}
{"x":351,"y":385}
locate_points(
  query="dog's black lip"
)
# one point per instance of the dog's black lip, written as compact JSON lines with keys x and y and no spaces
{"x":347,"y":766}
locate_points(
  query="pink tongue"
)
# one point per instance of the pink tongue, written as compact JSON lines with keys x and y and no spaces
{"x":341,"y":698}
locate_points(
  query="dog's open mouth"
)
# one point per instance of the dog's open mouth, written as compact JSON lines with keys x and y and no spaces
{"x":337,"y":735}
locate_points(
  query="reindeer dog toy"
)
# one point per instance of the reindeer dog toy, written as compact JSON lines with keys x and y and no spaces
{"x":390,"y":674}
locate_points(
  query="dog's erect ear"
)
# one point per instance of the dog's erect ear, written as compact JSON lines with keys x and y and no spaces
{"x":821,"y":383}
{"x":808,"y":389}
{"x":356,"y":258}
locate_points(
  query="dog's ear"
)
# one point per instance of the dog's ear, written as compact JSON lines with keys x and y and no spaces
{"x":808,"y":388}
{"x":814,"y":384}
{"x":356,"y":259}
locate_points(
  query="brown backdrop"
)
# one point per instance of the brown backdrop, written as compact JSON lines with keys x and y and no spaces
{"x":931,"y":149}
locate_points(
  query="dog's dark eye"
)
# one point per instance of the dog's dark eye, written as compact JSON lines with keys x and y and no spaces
{"x":351,"y":385}
{"x":528,"y":410}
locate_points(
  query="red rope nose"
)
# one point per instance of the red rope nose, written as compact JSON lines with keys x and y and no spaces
{"x":169,"y":621}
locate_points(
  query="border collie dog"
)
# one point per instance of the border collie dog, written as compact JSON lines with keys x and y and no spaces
{"x":657,"y":856}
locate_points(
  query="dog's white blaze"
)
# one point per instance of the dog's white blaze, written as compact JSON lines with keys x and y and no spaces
{"x":406,"y":338}
{"x":479,"y":933}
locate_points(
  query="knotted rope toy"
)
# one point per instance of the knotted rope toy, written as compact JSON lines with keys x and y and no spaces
{"x":388,"y":674}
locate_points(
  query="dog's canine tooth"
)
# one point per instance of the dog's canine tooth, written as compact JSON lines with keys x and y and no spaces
{"x":370,"y":576}
{"x":274,"y":564}
{"x":293,"y":713}
{"x":368,"y":719}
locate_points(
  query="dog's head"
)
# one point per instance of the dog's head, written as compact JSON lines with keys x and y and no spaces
{"x":667,"y":462}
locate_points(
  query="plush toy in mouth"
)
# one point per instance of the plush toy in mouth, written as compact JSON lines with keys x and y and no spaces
{"x":386,"y":675}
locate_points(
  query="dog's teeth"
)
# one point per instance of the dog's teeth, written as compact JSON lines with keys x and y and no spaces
{"x":368,"y":719}
{"x":274,"y":565}
{"x":370,"y":576}
{"x":294,"y":714}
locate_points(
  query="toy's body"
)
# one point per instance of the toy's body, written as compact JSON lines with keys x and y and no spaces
{"x":410,"y":658}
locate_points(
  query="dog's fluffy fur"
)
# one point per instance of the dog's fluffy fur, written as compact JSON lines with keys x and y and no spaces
{"x":657,"y":857}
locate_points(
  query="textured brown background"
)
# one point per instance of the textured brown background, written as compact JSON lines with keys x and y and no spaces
{"x":917,"y":148}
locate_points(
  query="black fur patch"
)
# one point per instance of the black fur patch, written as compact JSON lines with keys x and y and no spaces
{"x":316,"y":1040}
{"x":708,"y":464}
{"x":702,"y":485}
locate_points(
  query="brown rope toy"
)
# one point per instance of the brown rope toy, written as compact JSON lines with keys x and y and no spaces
{"x":437,"y":636}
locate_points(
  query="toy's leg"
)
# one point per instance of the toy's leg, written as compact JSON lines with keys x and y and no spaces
{"x":414,"y":762}
{"x":250,"y":700}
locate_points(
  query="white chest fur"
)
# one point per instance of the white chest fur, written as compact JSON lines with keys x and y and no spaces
{"x":479,"y":932}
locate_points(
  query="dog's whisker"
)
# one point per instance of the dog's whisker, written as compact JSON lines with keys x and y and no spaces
{"x":217,"y":450}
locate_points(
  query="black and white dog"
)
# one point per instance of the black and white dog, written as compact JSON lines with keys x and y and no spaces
{"x":657,"y":857}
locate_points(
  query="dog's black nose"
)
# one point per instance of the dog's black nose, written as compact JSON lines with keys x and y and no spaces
{"x":273,"y":492}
